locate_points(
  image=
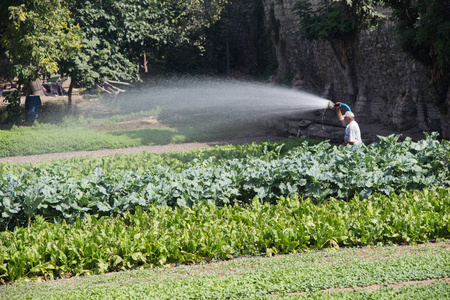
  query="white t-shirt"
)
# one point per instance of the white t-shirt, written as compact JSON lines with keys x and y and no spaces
{"x":352,"y":133}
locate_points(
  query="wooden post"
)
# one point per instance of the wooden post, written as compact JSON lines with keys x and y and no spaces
{"x":69,"y":94}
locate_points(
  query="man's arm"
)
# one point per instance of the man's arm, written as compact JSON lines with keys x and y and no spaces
{"x":338,"y":111}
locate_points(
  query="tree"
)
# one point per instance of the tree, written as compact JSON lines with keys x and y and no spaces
{"x":423,"y":28}
{"x":108,"y":40}
{"x":186,"y":43}
{"x":338,"y":22}
{"x":35,"y":35}
{"x":118,"y":33}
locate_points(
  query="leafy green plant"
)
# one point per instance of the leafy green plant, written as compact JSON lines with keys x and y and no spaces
{"x":14,"y":109}
{"x":165,"y":235}
{"x":320,"y":171}
{"x":283,"y":276}
{"x":82,"y":166}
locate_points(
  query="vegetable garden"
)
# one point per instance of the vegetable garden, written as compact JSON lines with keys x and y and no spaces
{"x":90,"y":216}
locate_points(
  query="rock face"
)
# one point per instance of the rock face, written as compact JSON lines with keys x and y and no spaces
{"x":392,"y":89}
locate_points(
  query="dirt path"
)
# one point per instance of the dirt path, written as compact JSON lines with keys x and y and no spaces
{"x":151,"y":149}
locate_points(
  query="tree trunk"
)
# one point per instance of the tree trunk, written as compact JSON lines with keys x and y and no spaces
{"x":69,"y":94}
{"x":344,"y":62}
{"x":145,"y":64}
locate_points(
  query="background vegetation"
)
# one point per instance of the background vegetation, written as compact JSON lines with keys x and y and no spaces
{"x":82,"y":38}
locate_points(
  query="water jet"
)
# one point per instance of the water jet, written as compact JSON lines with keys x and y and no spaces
{"x":222,"y":98}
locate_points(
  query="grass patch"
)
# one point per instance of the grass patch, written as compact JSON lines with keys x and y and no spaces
{"x":78,"y":133}
{"x":50,"y":138}
{"x":265,"y":277}
{"x":161,"y":136}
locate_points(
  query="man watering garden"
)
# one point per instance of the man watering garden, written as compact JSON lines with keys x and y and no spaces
{"x":352,"y":133}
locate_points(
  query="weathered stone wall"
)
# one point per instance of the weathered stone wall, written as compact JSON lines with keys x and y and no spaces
{"x":393,"y":89}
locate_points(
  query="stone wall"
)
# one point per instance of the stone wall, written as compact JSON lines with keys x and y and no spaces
{"x":393,"y":89}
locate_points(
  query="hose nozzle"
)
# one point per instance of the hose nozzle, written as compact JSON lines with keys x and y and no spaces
{"x":331,"y":105}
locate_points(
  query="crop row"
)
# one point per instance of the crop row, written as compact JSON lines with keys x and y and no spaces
{"x":79,"y":167}
{"x":295,"y":276}
{"x":318,"y":172}
{"x":206,"y":232}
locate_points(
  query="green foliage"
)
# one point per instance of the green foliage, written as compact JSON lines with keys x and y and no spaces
{"x":36,"y":35}
{"x":108,"y":39}
{"x":82,"y":166}
{"x":320,"y":172}
{"x":285,"y":276}
{"x":105,"y":53}
{"x":73,"y":136}
{"x":117,"y":33}
{"x":14,"y":109}
{"x":165,"y":235}
{"x":336,"y":20}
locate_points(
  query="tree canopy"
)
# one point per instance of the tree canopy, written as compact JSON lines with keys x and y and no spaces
{"x":36,"y":35}
{"x":97,"y":40}
{"x":116,"y":33}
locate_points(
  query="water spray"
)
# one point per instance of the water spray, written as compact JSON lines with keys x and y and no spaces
{"x":223,"y":98}
{"x":216,"y":102}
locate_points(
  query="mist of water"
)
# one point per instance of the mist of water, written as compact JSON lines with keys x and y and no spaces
{"x":228,"y":100}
